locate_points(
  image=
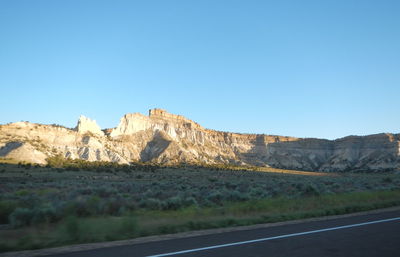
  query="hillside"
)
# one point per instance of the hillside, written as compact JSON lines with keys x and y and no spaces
{"x":166,"y":138}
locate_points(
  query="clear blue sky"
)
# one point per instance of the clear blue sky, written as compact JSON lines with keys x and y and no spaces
{"x":322,"y":69}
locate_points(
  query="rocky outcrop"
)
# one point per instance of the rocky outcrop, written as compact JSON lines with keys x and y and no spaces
{"x":23,"y":152}
{"x":162,"y":137}
{"x":51,"y":140}
{"x":158,"y":119}
{"x":86,"y":125}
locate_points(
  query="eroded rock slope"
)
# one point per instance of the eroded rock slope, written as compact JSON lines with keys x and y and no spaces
{"x":162,"y":137}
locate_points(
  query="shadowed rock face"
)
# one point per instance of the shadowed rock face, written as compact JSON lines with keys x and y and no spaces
{"x":162,"y":137}
{"x":156,"y":147}
{"x":22,"y":151}
{"x":9,"y":147}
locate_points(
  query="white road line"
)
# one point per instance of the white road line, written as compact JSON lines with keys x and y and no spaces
{"x":272,"y":238}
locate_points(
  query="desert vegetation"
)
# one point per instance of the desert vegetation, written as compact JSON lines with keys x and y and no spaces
{"x":71,"y":201}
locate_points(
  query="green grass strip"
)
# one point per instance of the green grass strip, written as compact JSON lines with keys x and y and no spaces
{"x":74,"y":230}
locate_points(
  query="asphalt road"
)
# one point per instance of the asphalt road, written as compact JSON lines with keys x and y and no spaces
{"x":364,"y":236}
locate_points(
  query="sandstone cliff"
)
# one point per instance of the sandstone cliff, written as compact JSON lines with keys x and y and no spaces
{"x":162,"y":137}
{"x":87,"y":125}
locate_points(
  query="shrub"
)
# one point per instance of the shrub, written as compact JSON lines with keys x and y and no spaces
{"x":56,"y":161}
{"x":257,"y":192}
{"x":114,"y":206}
{"x":387,"y":180}
{"x":173,"y":203}
{"x":215,"y":197}
{"x":45,"y":214}
{"x":24,"y":217}
{"x":77,"y":208}
{"x":93,"y":205}
{"x":190,"y":201}
{"x":21,"y":217}
{"x":105,"y":192}
{"x":311,"y":191}
{"x":6,"y":208}
{"x":151,"y":204}
{"x":236,"y":196}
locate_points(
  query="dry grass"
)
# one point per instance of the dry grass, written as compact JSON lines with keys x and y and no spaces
{"x":294,"y":172}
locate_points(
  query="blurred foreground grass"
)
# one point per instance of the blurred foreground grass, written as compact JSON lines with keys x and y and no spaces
{"x":142,"y":222}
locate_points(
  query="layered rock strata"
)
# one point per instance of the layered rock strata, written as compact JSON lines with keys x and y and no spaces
{"x":162,"y":137}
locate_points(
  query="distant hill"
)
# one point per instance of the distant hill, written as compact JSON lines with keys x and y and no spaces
{"x":167,"y":138}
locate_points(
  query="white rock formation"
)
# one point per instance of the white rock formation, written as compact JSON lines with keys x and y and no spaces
{"x":167,"y":138}
{"x":130,"y":124}
{"x":175,"y":126}
{"x":87,"y":125}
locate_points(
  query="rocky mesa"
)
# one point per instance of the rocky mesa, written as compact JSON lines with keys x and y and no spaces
{"x":166,"y":138}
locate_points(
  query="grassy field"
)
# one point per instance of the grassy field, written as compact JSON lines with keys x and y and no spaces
{"x":66,"y":204}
